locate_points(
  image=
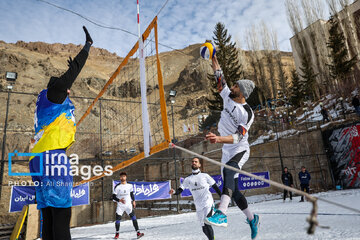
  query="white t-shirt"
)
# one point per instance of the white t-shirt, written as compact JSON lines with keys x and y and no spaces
{"x":123,"y":191}
{"x":233,"y":116}
{"x":199,"y":186}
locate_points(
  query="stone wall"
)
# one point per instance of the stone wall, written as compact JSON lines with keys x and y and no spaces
{"x":303,"y":149}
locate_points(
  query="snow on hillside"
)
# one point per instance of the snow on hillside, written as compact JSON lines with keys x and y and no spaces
{"x":311,"y":115}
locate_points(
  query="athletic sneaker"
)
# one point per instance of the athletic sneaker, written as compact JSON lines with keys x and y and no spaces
{"x":218,"y":219}
{"x":254,"y":226}
{"x":116,"y":236}
{"x":139,"y":235}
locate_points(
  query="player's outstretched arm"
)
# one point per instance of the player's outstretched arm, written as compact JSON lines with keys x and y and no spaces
{"x":213,"y":138}
{"x":177,"y":192}
{"x":217,"y":189}
{"x":57,"y":87}
{"x":219,"y":76}
{"x":231,"y":139}
{"x":77,"y":64}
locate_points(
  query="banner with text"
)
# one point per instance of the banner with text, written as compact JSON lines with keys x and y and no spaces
{"x":24,"y":195}
{"x":81,"y":195}
{"x":149,"y":190}
{"x":245,"y":183}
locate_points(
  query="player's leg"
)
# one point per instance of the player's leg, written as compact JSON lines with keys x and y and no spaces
{"x":290,"y":193}
{"x":241,"y":202}
{"x":134,"y":220}
{"x":61,"y":223}
{"x":220,"y":218}
{"x":118,"y":215}
{"x":229,"y":184}
{"x":47,"y":232}
{"x":117,"y":223}
{"x":207,"y":229}
{"x":135,"y":224}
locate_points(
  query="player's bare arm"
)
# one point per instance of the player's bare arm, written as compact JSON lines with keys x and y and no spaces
{"x":230,"y":139}
{"x":219,"y":76}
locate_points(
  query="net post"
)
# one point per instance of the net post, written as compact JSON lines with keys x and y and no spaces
{"x":312,"y":219}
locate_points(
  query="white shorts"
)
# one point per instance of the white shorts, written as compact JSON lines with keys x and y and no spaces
{"x":226,"y":156}
{"x":121,"y":208}
{"x":202,"y":214}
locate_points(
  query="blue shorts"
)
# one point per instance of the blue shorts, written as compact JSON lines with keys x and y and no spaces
{"x":53,"y":188}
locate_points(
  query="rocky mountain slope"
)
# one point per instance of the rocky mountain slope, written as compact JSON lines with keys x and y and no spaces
{"x":35,"y":62}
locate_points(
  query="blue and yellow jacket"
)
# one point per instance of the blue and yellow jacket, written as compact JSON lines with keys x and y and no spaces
{"x":54,"y":132}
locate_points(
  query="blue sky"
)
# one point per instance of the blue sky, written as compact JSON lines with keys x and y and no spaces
{"x":181,"y":22}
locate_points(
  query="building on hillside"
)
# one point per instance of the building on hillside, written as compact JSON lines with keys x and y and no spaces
{"x":313,"y":41}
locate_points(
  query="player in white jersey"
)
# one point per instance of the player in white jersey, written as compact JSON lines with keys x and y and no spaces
{"x":236,"y":119}
{"x":124,"y":196}
{"x":199,"y":185}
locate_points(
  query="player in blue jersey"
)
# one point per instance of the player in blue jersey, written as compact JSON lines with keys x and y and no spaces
{"x":55,"y":128}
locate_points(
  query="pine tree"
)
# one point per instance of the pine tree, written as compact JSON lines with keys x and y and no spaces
{"x":228,"y":58}
{"x":340,"y":66}
{"x":296,"y":90}
{"x":309,"y":76}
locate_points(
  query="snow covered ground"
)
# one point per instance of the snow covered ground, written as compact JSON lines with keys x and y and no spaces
{"x":278,"y":221}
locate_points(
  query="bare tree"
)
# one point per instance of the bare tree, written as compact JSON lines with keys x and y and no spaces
{"x":281,"y":72}
{"x":350,"y":33}
{"x":294,"y":16}
{"x":242,"y":56}
{"x":313,"y":11}
{"x":268,"y":52}
{"x":252,"y":62}
{"x":253,"y":44}
{"x":334,"y":6}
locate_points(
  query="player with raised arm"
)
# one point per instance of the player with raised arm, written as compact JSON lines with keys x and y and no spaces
{"x":55,"y":128}
{"x":123,"y":195}
{"x":235,"y":121}
{"x":199,"y":184}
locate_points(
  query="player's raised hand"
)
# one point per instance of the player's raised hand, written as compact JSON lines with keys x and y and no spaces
{"x":171,"y":191}
{"x":88,"y":38}
{"x":215,"y":63}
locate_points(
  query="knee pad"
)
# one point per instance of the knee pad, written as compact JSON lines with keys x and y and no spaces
{"x":117,"y":222}
{"x":132,"y":216}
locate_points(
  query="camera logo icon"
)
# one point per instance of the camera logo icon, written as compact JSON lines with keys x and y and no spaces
{"x":13,"y":154}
